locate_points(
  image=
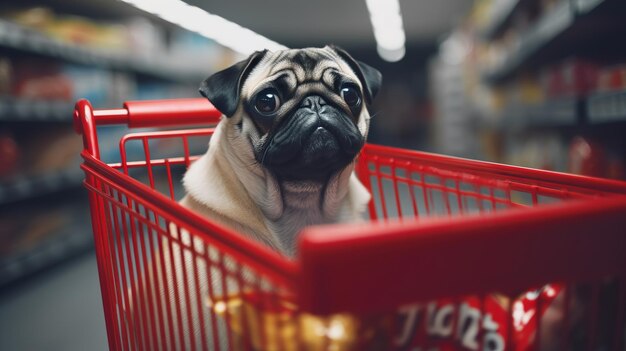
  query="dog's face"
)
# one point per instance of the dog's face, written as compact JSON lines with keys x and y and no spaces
{"x":303,"y":111}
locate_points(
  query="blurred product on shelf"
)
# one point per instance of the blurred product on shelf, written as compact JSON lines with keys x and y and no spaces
{"x":40,"y":79}
{"x":31,"y":229}
{"x":197,"y":51}
{"x":571,"y":78}
{"x":155,"y":90}
{"x":591,"y":158}
{"x":616,"y":167}
{"x":9,"y":154}
{"x":145,"y":39}
{"x":608,"y":102}
{"x":552,"y":151}
{"x":40,"y":151}
{"x":522,"y":93}
{"x":545,"y":151}
{"x":51,"y":150}
{"x":103,"y":86}
{"x":587,"y":158}
{"x":75,"y":29}
{"x":5,"y":75}
{"x":612,"y":79}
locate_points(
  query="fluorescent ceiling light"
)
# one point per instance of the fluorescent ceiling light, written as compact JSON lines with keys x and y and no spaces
{"x":388,"y":28}
{"x":219,"y":29}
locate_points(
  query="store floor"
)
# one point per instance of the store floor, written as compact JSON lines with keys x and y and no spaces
{"x":59,"y":309}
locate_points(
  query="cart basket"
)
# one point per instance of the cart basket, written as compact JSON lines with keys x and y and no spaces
{"x":457,"y":254}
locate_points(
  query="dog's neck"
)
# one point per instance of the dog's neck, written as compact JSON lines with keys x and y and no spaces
{"x":301,"y":202}
{"x":288,"y":206}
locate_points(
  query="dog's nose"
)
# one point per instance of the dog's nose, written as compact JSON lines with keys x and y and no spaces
{"x":313,"y":102}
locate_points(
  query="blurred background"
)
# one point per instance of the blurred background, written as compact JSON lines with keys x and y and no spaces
{"x":537,"y":83}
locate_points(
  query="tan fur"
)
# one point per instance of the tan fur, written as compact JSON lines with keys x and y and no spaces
{"x":215,"y":191}
{"x":229,"y":186}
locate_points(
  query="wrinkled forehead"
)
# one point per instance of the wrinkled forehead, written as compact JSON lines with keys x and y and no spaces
{"x":305,"y":65}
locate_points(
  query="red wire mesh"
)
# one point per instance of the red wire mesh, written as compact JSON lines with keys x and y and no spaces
{"x":405,"y":189}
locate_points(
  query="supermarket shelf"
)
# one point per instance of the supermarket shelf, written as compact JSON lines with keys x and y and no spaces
{"x":17,"y":109}
{"x":501,"y":18}
{"x":607,"y":107}
{"x":584,"y":6}
{"x":549,"y":29}
{"x":19,"y":38}
{"x":59,"y":247}
{"x":569,"y":29}
{"x":33,"y":186}
{"x":562,"y":112}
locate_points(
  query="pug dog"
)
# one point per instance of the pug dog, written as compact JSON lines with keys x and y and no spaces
{"x":282,"y":157}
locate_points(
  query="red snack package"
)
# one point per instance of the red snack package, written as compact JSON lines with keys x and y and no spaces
{"x":466,"y":324}
{"x":472,"y":323}
{"x":538,"y":310}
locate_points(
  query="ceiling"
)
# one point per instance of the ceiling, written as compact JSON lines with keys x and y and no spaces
{"x":306,"y":22}
{"x":343,"y":22}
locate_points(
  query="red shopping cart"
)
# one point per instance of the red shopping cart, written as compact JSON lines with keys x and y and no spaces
{"x":459,"y":254}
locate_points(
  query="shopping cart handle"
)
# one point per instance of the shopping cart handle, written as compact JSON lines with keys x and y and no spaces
{"x":158,"y":113}
{"x":142,"y":114}
{"x":153,"y":113}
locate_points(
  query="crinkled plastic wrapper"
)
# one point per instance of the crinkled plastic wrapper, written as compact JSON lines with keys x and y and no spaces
{"x":285,"y":328}
{"x":494,"y":322}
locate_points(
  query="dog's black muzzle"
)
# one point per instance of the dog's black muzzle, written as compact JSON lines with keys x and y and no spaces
{"x":315,"y":141}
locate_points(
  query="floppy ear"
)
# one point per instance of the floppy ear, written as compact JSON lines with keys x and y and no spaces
{"x":223,"y":88}
{"x":370,"y":77}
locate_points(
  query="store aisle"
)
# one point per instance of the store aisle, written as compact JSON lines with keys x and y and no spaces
{"x":60,"y":310}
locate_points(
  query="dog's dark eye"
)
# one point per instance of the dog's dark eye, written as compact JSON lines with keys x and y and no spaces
{"x":267,"y":101}
{"x":350,"y":95}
